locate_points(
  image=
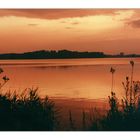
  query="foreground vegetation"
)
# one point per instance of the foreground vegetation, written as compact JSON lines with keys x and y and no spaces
{"x":29,"y":112}
{"x":123,"y":115}
{"x":26,"y":112}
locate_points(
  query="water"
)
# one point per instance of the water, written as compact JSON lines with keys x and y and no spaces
{"x":69,"y":78}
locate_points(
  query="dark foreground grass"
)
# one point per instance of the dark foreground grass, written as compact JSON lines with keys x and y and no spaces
{"x":123,"y":115}
{"x":27,"y":112}
{"x":119,"y":117}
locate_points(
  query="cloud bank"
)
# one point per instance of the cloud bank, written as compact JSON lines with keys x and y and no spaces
{"x":55,"y":14}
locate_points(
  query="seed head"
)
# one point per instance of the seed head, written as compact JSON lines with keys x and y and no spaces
{"x":5,"y":78}
{"x":112,"y":70}
{"x":132,"y":63}
{"x":1,"y":70}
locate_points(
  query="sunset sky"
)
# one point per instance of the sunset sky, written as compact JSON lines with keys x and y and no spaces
{"x":109,"y":31}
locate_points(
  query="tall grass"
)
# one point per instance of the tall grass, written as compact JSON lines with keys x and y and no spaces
{"x":26,"y":111}
{"x":71,"y":122}
{"x":124,"y":115}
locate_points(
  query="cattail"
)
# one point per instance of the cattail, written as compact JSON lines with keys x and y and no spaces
{"x":112,"y":70}
{"x":126,"y":87}
{"x":132,"y":64}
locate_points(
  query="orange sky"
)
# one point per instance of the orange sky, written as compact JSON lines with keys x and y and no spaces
{"x":110,"y":31}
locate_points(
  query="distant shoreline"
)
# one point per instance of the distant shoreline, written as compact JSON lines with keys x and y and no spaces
{"x":64,"y":58}
{"x":62,"y":54}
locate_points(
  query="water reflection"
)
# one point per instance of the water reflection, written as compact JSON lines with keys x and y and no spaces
{"x":71,"y":78}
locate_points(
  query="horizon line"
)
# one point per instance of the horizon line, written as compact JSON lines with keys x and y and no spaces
{"x":71,"y":51}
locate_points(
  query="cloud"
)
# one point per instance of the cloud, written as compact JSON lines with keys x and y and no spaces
{"x":63,"y":22}
{"x":32,"y":24}
{"x":72,"y":23}
{"x":68,"y":27}
{"x":134,"y":19}
{"x":55,"y":13}
{"x":134,"y":23}
{"x":75,"y":23}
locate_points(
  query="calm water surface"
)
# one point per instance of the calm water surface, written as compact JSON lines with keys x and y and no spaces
{"x":69,"y":78}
